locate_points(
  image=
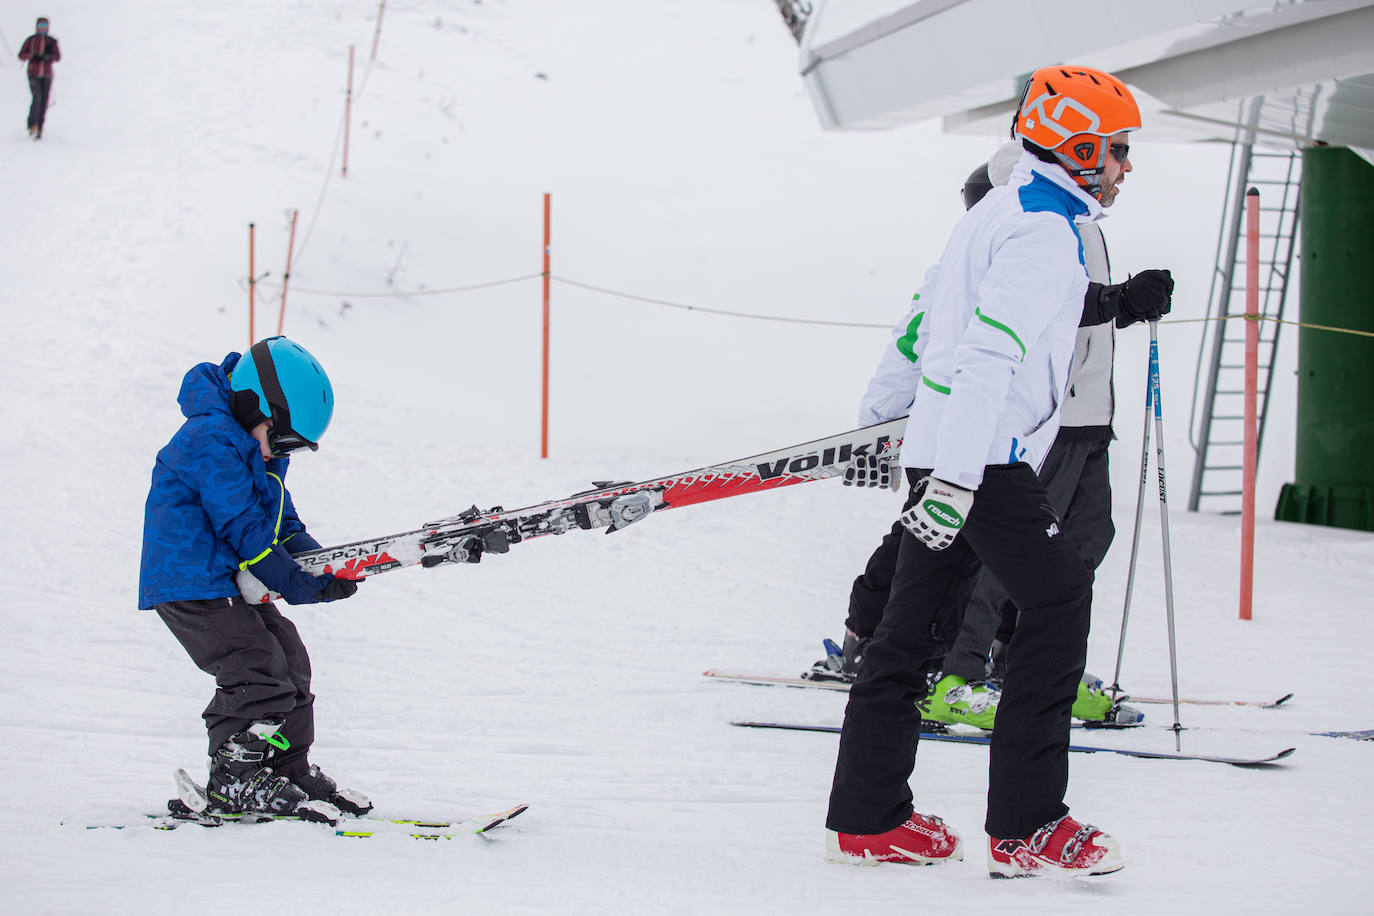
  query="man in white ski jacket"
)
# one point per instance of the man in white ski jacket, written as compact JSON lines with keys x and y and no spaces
{"x":972,"y":319}
{"x":1074,"y":474}
{"x":992,"y":334}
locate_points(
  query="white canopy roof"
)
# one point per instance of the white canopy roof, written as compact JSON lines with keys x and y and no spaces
{"x":1300,"y":72}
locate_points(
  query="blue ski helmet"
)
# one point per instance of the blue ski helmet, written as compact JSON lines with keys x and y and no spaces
{"x":278,"y":379}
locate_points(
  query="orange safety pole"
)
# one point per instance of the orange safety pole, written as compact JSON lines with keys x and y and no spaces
{"x":348,"y":110}
{"x":1251,"y":432}
{"x":544,"y":416}
{"x":286,"y":278}
{"x":378,"y":34}
{"x":252,"y":279}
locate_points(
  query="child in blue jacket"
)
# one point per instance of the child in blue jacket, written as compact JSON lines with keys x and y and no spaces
{"x":219,"y":506}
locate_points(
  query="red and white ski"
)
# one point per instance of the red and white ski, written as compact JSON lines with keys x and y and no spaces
{"x":613,"y":506}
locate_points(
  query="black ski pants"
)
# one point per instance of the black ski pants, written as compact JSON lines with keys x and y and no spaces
{"x":1015,"y":532}
{"x":38,"y":109}
{"x":260,"y":668}
{"x":1075,"y":478}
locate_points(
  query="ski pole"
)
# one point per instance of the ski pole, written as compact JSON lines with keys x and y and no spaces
{"x":1135,"y":538}
{"x":1164,"y":522}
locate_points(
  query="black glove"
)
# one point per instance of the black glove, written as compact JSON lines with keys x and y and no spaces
{"x":336,"y":588}
{"x":1145,"y":297}
{"x":44,"y":58}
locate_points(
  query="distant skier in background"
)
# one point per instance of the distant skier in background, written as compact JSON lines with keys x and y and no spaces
{"x":218,"y":507}
{"x":1074,"y":474}
{"x":41,"y":51}
{"x":982,"y":362}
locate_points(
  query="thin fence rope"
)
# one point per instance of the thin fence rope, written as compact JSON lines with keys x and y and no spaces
{"x":407,"y":294}
{"x":732,"y":314}
{"x":367,"y":72}
{"x":1296,"y":324}
{"x":728,"y":313}
{"x":1322,"y":327}
{"x":324,"y":189}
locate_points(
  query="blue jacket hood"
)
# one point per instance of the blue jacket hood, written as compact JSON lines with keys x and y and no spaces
{"x":205,"y":388}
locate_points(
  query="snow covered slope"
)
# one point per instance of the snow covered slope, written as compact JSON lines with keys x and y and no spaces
{"x":685,"y":165}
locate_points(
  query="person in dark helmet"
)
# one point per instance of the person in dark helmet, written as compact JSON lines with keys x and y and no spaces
{"x":976,"y":186}
{"x":217,"y":508}
{"x":41,"y":51}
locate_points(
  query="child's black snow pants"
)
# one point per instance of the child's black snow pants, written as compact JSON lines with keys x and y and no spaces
{"x":260,"y":668}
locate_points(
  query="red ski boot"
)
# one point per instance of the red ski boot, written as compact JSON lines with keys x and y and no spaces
{"x":922,"y":840}
{"x":1063,"y":848}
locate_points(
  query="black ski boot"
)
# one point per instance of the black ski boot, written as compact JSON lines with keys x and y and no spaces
{"x":321,"y":788}
{"x":839,"y":664}
{"x":997,"y":664}
{"x":239,"y":782}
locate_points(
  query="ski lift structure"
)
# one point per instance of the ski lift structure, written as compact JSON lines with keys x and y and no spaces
{"x":1288,"y":84}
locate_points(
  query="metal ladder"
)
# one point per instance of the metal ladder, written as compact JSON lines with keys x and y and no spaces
{"x":1216,"y":427}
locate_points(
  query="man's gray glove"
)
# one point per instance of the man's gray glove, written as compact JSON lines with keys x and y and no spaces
{"x":865,"y":470}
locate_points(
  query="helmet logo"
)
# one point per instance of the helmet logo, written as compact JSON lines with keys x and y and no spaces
{"x":1054,"y":119}
{"x":1083,"y":150}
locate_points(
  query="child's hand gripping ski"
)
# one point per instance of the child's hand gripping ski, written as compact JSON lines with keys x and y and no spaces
{"x":939,"y":512}
{"x":277,"y":572}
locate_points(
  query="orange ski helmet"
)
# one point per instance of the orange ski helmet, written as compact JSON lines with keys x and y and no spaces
{"x":1073,"y":112}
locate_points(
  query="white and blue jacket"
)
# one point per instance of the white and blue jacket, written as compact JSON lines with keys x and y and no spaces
{"x":982,"y":358}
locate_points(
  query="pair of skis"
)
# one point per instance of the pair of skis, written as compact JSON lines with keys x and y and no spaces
{"x":765,"y":680}
{"x":192,"y":807}
{"x":931,"y":733}
{"x":361,"y":827}
{"x":1263,"y":760}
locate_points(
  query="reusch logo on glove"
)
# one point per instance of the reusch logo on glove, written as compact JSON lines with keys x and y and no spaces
{"x":944,"y":512}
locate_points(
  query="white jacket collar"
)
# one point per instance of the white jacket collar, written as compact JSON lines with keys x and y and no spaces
{"x":1029,"y":163}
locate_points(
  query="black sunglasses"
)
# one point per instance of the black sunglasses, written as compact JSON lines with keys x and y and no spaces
{"x":1120,"y":151}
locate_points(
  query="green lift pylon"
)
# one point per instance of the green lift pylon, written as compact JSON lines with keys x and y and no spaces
{"x":1335,"y":422}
